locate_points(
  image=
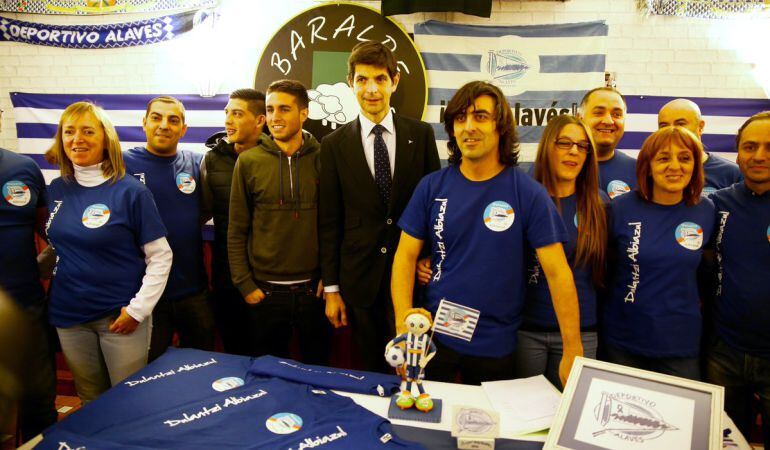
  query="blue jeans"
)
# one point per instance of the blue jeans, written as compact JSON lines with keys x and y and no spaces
{"x":99,"y":358}
{"x":678,"y":367}
{"x":743,"y":376}
{"x":287,"y":308}
{"x":539,"y":353}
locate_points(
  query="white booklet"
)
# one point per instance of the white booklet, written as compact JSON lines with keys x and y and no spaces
{"x":525,"y":405}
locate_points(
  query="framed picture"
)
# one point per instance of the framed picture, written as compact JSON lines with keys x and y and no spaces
{"x":609,"y":406}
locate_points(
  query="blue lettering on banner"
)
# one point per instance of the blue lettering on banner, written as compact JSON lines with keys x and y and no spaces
{"x":142,"y":32}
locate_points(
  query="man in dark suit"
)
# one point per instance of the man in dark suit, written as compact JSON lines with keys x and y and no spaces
{"x":369,"y":169}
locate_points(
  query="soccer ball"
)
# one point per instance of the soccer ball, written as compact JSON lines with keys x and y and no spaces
{"x":395,"y":356}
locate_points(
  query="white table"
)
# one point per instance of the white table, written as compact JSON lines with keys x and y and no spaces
{"x":461,"y":394}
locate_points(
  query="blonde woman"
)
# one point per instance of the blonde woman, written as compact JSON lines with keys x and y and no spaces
{"x":113,"y":259}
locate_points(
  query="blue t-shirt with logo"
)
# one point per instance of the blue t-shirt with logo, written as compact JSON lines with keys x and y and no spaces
{"x":326,"y":377}
{"x":617,"y":175}
{"x":23,"y":189}
{"x":175,"y":185}
{"x":98,"y":233}
{"x":720,"y":173}
{"x":538,"y":306}
{"x":192,"y":399}
{"x":477,"y":233}
{"x":742,"y":310}
{"x":653,"y":308}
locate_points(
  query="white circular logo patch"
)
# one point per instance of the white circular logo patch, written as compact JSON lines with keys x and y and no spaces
{"x":185,"y":182}
{"x":96,"y":215}
{"x":284,"y":423}
{"x":616,"y":188}
{"x":498,"y":216}
{"x":576,"y":221}
{"x":16,"y":193}
{"x":689,"y":235}
{"x":768,"y":233}
{"x":707,"y":191}
{"x":226,"y":383}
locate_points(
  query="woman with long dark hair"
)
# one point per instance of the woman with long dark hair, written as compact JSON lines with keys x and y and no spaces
{"x":566,"y":166}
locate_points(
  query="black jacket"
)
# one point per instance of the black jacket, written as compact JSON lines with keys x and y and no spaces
{"x":358,"y":232}
{"x":217,"y":170}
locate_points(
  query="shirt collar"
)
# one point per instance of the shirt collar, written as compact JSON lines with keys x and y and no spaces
{"x":367,"y":125}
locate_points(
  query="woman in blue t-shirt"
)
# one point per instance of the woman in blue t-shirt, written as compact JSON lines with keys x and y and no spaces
{"x":652,"y":318}
{"x":112,"y":256}
{"x":566,"y":165}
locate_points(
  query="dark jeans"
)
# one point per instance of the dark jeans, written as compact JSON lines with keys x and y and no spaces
{"x":447,"y":364}
{"x":191,"y":317}
{"x":37,"y":410}
{"x":287,"y":308}
{"x":743,"y":376}
{"x":232,"y":317}
{"x":678,"y":367}
{"x":540,"y":353}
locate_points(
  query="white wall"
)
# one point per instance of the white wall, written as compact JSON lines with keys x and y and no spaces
{"x":654,"y":55}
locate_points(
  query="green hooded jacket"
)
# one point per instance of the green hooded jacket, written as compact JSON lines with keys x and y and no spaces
{"x":273,"y":232}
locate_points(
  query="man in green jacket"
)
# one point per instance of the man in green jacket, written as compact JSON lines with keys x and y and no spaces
{"x":272,"y":240}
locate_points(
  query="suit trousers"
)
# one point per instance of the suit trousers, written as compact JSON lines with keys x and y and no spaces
{"x":372,"y":328}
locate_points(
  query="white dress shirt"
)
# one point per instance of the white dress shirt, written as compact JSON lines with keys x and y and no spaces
{"x":367,"y":139}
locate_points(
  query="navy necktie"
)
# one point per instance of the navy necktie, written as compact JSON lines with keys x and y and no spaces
{"x":381,"y":164}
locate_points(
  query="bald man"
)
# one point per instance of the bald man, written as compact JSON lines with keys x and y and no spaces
{"x":720,"y":173}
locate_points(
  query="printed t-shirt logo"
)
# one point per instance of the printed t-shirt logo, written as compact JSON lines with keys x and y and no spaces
{"x":575,"y":220}
{"x":708,"y":190}
{"x":616,"y":188}
{"x":689,"y":235}
{"x":226,"y":383}
{"x":498,"y":216}
{"x":16,"y":193}
{"x":768,"y":233}
{"x":185,"y":182}
{"x":96,"y":215}
{"x":284,"y":423}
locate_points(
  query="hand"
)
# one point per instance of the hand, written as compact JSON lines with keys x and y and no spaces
{"x":335,"y":310}
{"x":124,"y":324}
{"x":320,"y":291}
{"x":424,"y":273}
{"x":565,"y":366}
{"x":255,"y":297}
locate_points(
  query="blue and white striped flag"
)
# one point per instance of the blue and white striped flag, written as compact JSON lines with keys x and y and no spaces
{"x":723,"y":117}
{"x":37,"y":116}
{"x":455,"y":320}
{"x":543,"y":70}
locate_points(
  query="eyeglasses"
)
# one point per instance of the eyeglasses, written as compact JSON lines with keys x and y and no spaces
{"x":565,"y":144}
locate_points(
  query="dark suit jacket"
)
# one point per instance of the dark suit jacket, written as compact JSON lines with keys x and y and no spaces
{"x":358,"y":232}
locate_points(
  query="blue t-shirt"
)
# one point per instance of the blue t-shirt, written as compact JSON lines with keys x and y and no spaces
{"x":654,"y":309}
{"x":98,"y":233}
{"x":617,"y":175}
{"x":142,"y":411}
{"x":720,"y":173}
{"x":538,"y":306}
{"x":23,"y":189}
{"x":742,"y":310}
{"x":478,"y":233}
{"x":325,"y":377}
{"x":174,"y":182}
